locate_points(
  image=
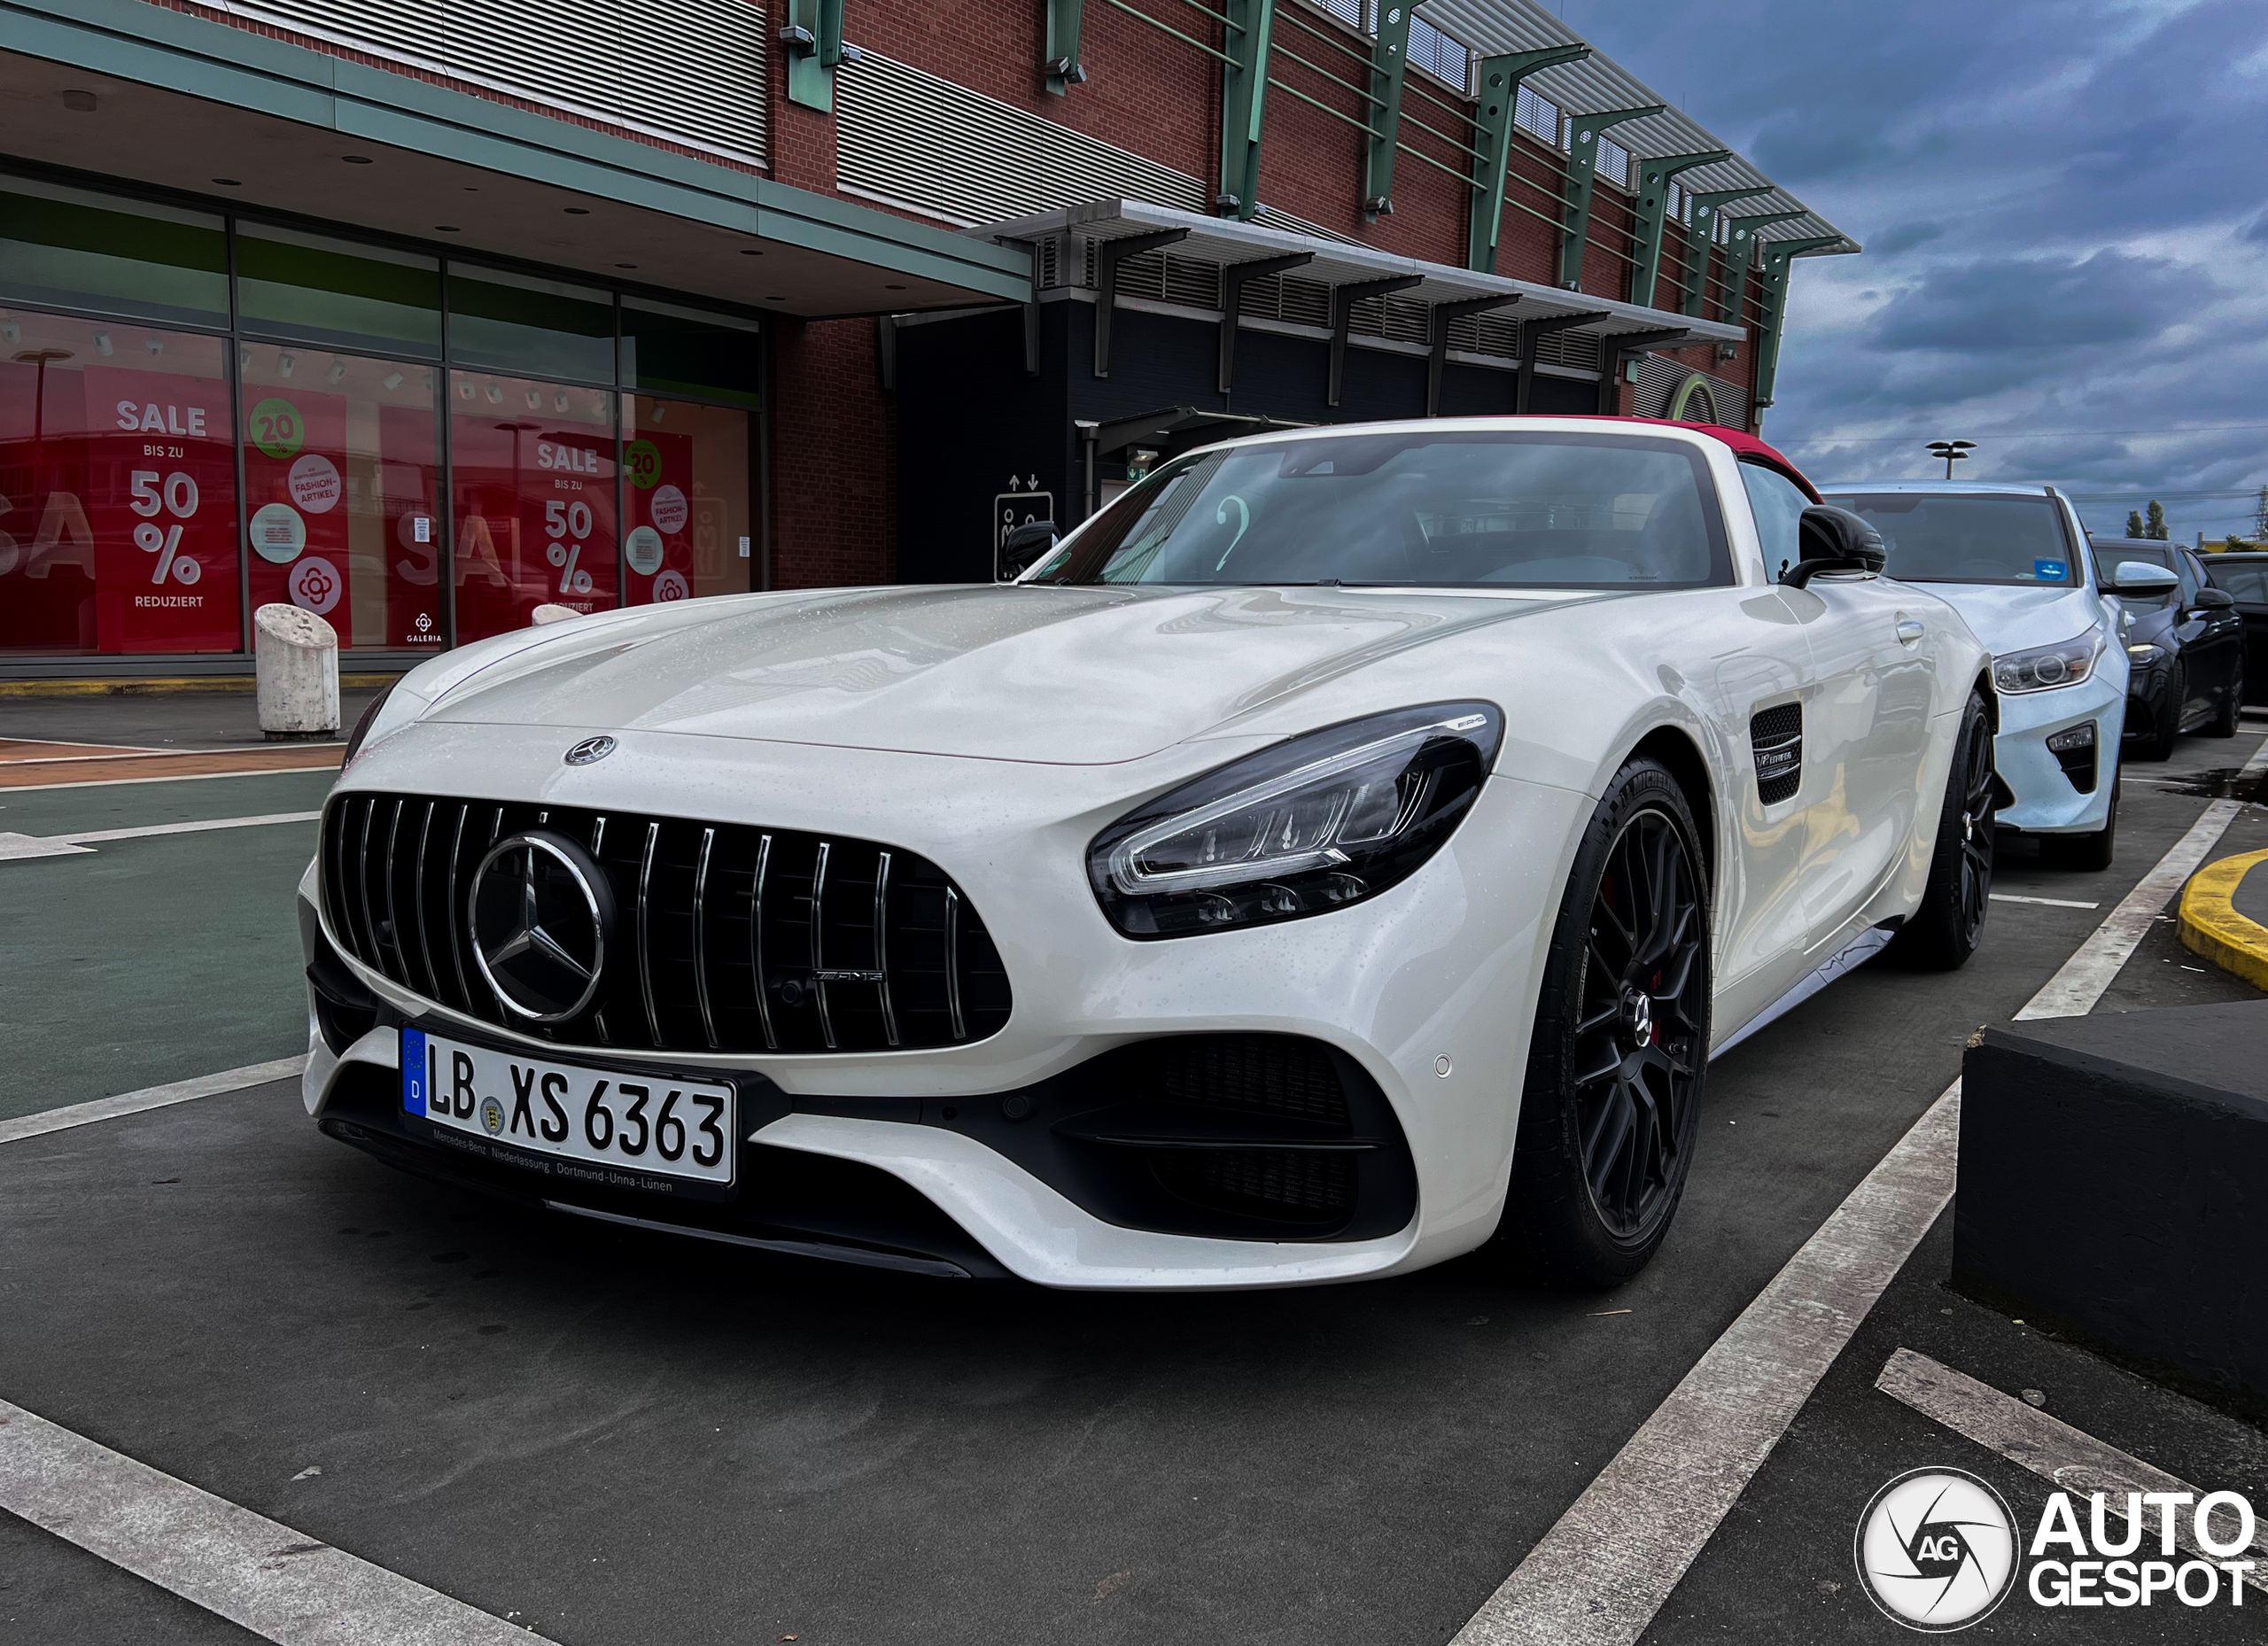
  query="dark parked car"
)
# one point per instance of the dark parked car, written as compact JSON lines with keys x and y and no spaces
{"x":2186,"y":646}
{"x":2244,"y":574}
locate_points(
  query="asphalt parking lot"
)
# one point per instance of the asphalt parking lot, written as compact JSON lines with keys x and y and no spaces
{"x":613,"y":1438}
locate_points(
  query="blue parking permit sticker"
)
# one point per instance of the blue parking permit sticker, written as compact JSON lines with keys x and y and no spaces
{"x":413,"y":1070}
{"x":2048,"y":570}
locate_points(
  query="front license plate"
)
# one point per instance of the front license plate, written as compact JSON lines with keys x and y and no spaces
{"x":592,"y":1125}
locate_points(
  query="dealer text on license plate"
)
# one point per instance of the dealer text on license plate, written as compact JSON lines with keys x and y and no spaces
{"x":641,"y":1123}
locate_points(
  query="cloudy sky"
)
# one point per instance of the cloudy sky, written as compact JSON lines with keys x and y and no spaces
{"x":2064,"y":207}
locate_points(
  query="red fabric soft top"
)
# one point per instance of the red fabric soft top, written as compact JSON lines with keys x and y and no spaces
{"x":1744,"y":444}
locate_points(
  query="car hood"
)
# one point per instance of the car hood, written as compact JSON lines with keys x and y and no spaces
{"x":1069,"y":676}
{"x":2013,"y":616}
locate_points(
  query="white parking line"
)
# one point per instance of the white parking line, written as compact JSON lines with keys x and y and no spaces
{"x":16,"y":846}
{"x":150,"y":1097}
{"x":2045,"y":902}
{"x":2065,"y":1457}
{"x":277,"y":1582}
{"x":1601,"y":1574}
{"x":184,"y":777}
{"x":2074,"y":990}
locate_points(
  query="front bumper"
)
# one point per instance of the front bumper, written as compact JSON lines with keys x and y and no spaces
{"x":1425,"y":992}
{"x":2046,"y":799}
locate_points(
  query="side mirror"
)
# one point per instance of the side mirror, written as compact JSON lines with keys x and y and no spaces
{"x":2215,"y":600}
{"x":1834,"y":540}
{"x":2139,"y":577}
{"x":1021,"y":549}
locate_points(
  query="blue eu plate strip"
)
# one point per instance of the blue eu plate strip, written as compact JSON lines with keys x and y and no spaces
{"x":413,"y":1070}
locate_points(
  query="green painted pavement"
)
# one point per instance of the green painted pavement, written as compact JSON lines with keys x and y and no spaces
{"x":153,"y":960}
{"x":138,"y":805}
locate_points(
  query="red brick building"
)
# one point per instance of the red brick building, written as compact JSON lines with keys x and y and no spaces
{"x":832,"y":292}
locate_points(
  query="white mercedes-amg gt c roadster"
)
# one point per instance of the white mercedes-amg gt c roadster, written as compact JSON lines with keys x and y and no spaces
{"x":1343,"y":851}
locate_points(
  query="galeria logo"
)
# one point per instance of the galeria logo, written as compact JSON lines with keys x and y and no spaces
{"x":1937,"y":1549}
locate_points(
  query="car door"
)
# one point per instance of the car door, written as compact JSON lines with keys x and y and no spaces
{"x":2219,"y":645}
{"x":1866,"y":695}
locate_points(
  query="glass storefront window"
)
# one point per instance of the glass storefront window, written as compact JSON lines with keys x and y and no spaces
{"x":686,"y":501}
{"x":516,"y":322}
{"x":118,"y":489}
{"x":337,"y":292}
{"x":684,"y":351}
{"x":342,"y":491}
{"x":78,"y":250}
{"x":532,"y":497}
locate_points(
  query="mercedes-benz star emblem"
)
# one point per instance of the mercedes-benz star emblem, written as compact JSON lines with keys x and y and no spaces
{"x":589,"y":750}
{"x":541,"y":915}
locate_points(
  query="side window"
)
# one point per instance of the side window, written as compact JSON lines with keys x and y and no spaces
{"x":2192,"y":576}
{"x":1778,"y":505}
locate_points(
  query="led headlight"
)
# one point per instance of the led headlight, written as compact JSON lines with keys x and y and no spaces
{"x":2043,"y":668}
{"x":1311,"y":825}
{"x":2146,"y":654}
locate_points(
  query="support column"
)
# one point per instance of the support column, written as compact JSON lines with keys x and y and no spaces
{"x":1244,"y":99}
{"x":1234,"y":279}
{"x":1109,"y":255}
{"x":813,"y":37}
{"x":1654,"y":173}
{"x":1613,"y":351}
{"x":1582,"y":172}
{"x":1492,"y":136}
{"x":1738,"y":252}
{"x":1532,"y":333}
{"x":1389,"y":57}
{"x":1439,"y":359}
{"x":1343,"y":299}
{"x":1702,"y":234}
{"x":1061,"y":65}
{"x":1776,"y":257}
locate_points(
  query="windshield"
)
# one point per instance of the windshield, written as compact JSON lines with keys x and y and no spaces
{"x":1425,"y":508}
{"x":1969,"y":540}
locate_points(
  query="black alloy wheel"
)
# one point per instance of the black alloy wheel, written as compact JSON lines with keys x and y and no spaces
{"x":1640,"y":1038}
{"x":1978,"y":805}
{"x":1619,"y":1057}
{"x":2223,"y":723}
{"x":2165,"y":717}
{"x":1944,"y":929}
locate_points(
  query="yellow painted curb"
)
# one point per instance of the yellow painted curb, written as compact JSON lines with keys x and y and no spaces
{"x":2211,"y":927}
{"x":157,"y":687}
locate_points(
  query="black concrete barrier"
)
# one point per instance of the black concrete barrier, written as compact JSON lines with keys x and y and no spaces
{"x":2114,"y":1187}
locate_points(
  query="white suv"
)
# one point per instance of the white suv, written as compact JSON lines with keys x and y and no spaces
{"x":2013,"y":559}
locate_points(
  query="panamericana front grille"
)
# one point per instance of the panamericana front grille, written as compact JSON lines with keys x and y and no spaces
{"x":727,"y":937}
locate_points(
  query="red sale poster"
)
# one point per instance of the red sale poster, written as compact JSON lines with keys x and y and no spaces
{"x":535,"y":520}
{"x":152,"y":499}
{"x":295,"y":503}
{"x":657,"y":548}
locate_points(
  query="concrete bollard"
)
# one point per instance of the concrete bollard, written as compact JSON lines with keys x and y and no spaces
{"x":551,"y":613}
{"x":296,"y":664}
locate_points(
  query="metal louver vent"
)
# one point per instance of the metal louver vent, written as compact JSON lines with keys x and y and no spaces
{"x":914,"y":140}
{"x":690,"y":70}
{"x":729,"y":938}
{"x":1777,"y":735}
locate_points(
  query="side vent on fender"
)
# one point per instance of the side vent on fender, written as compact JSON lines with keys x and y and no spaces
{"x":1777,"y":736}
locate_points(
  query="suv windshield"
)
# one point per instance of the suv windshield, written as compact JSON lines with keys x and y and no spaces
{"x":1968,"y":539}
{"x":1423,"y":508}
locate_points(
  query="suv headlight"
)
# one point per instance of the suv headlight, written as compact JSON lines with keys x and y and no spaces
{"x":1311,"y":825}
{"x":2043,"y":668}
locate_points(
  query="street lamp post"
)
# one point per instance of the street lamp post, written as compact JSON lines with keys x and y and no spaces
{"x":1952,"y":452}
